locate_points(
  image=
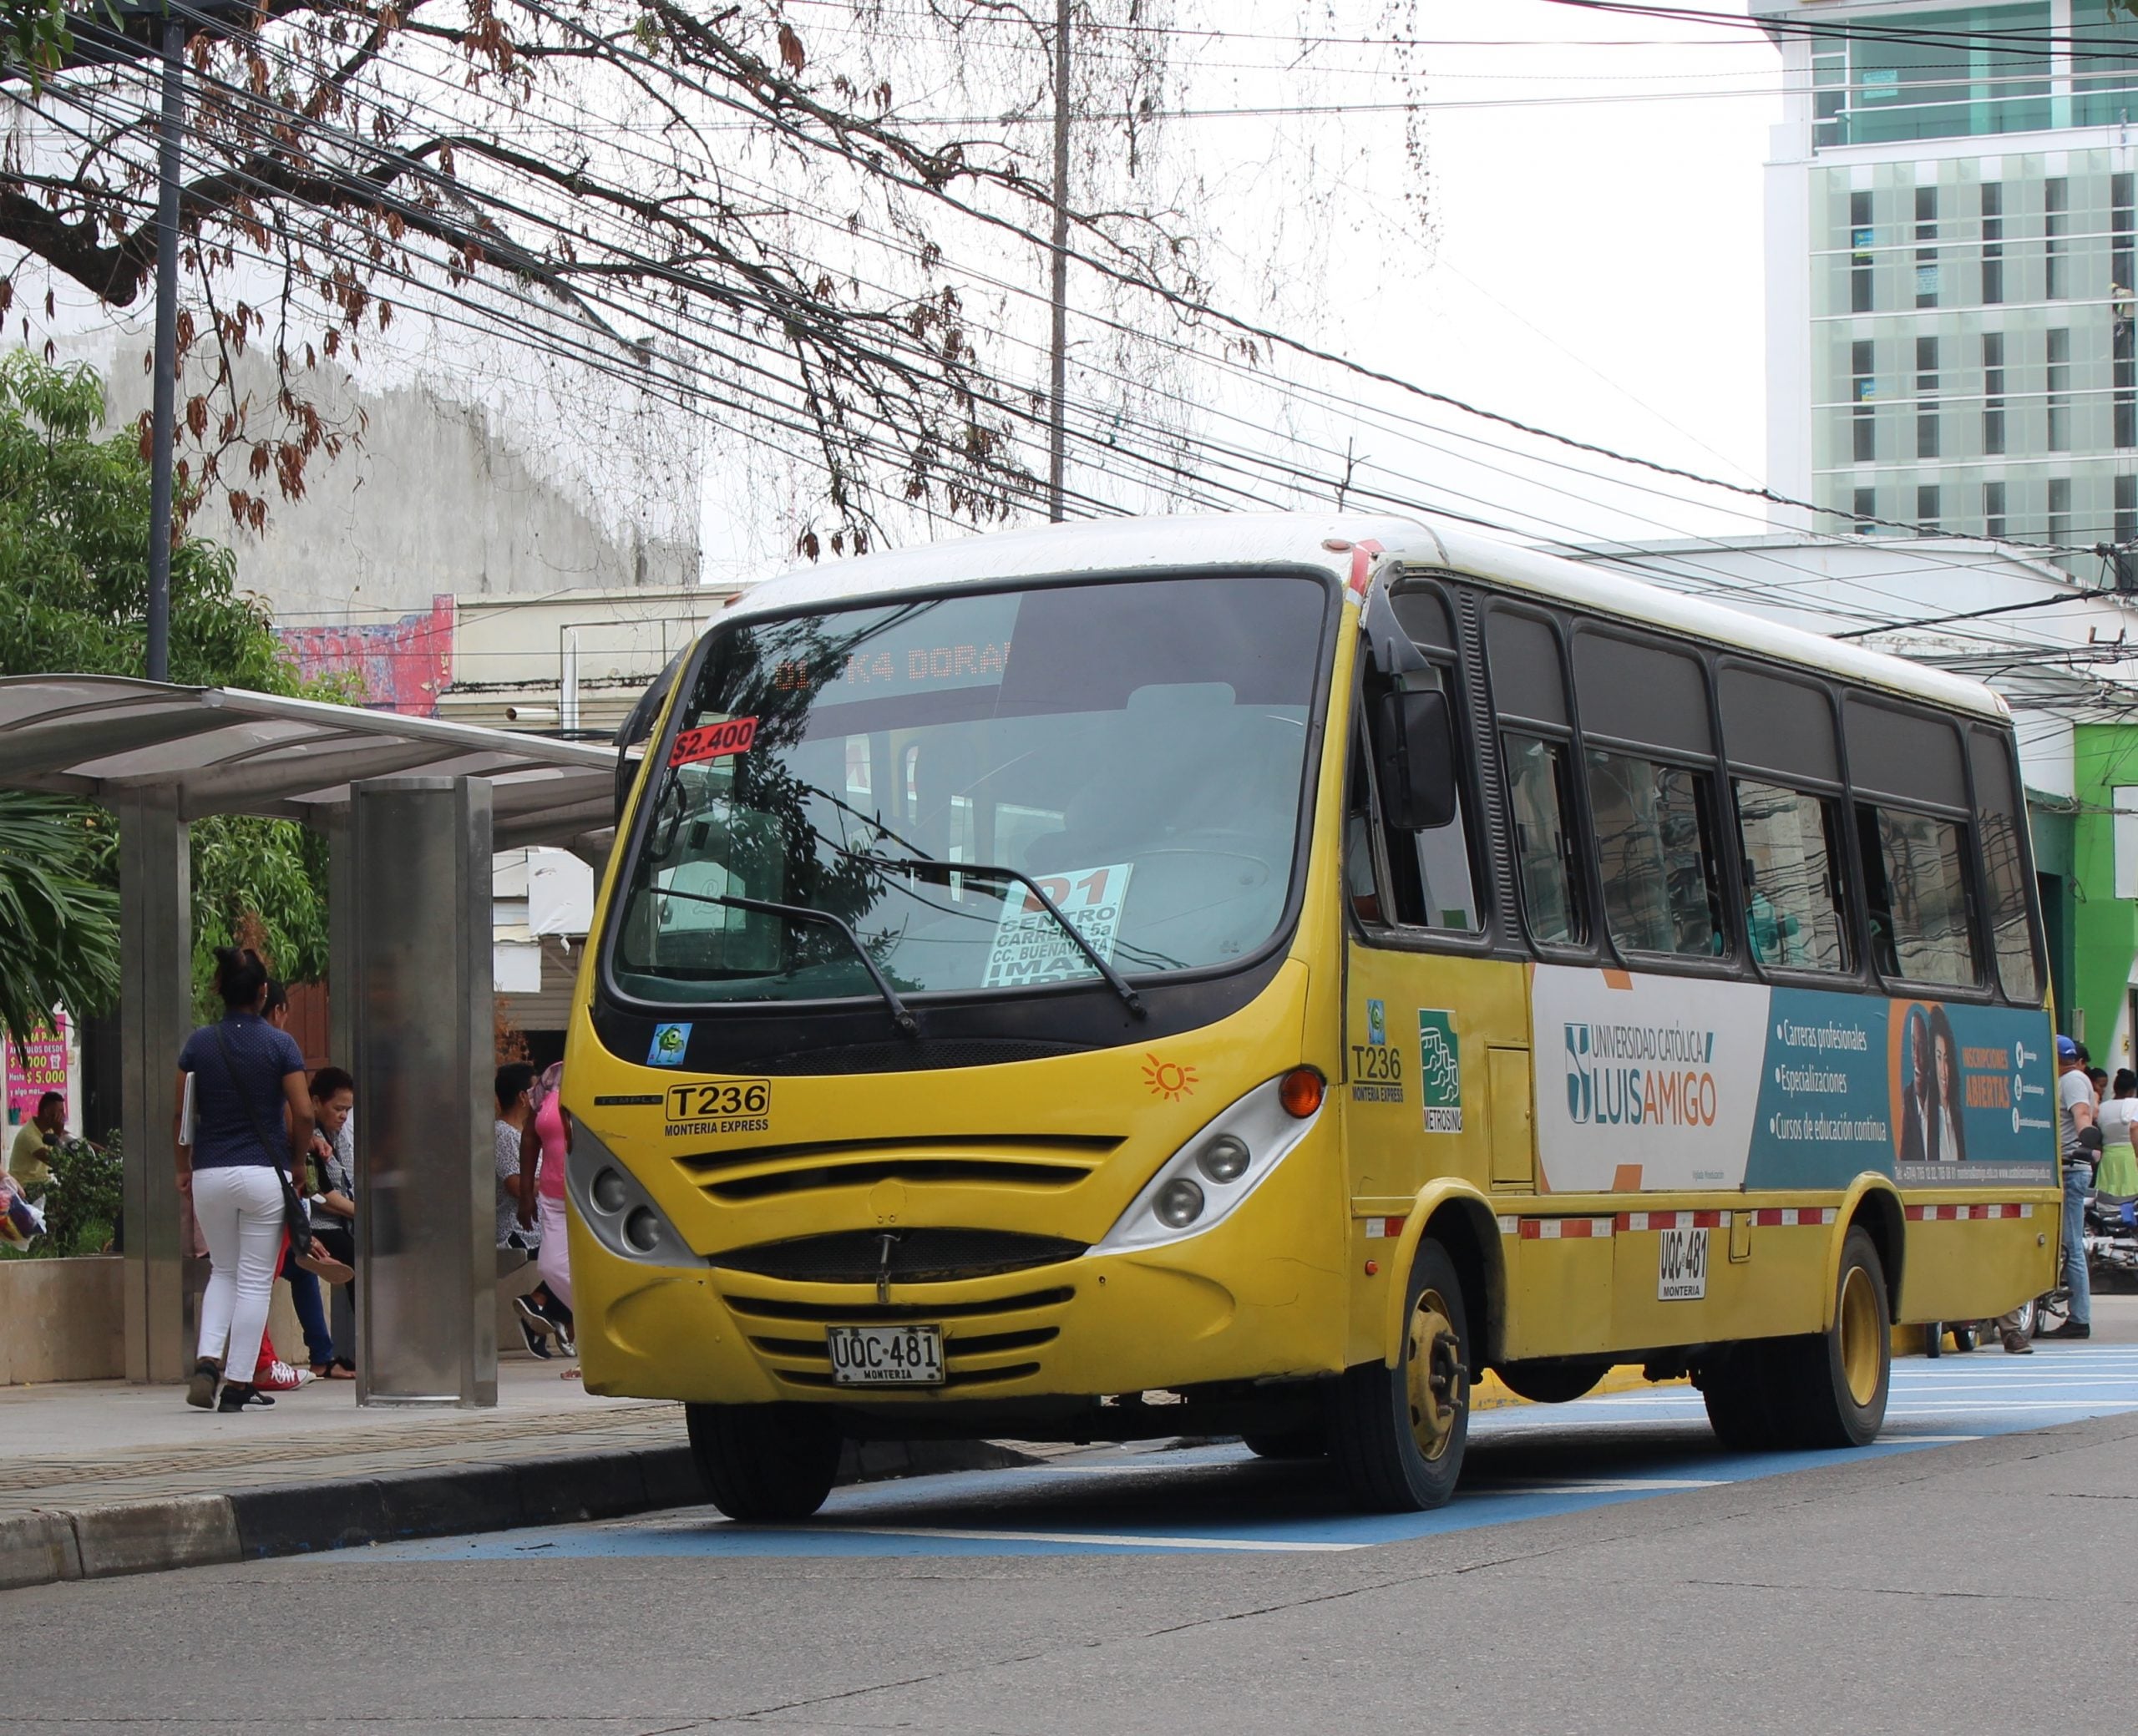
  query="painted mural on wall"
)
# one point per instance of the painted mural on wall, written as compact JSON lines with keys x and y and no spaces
{"x":403,"y":665}
{"x":1646,"y":1083}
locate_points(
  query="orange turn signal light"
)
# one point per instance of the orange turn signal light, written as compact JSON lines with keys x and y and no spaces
{"x":1301,"y":1092}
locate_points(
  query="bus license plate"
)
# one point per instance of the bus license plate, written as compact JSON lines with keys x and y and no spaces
{"x":885,"y":1355}
{"x":1681,"y":1268}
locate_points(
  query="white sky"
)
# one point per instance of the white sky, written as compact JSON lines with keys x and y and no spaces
{"x":1595,"y":266}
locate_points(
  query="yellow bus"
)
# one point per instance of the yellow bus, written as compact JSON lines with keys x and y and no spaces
{"x":1251,"y":976}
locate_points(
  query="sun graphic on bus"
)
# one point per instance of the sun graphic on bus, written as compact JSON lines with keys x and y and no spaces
{"x":1168,"y":1078}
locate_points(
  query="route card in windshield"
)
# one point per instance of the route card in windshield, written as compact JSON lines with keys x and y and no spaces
{"x":1030,"y":947}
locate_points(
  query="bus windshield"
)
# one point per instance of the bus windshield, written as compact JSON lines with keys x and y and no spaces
{"x":1134,"y":748}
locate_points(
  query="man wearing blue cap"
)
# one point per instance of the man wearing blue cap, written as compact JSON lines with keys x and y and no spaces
{"x":2080,"y":1140}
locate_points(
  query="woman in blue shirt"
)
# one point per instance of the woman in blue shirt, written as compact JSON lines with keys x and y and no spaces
{"x":248,"y":1086}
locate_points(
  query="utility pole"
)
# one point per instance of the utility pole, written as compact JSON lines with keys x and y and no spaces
{"x":165,"y":415}
{"x":1057,"y":431}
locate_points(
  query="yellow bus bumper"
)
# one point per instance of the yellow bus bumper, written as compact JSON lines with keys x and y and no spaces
{"x":1253,"y":1298}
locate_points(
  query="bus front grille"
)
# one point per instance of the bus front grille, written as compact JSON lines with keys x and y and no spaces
{"x":743,"y":1173}
{"x":984,"y":1342}
{"x":924,"y":1256}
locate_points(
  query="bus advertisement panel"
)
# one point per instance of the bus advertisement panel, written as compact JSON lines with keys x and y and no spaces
{"x":1676,"y":1084}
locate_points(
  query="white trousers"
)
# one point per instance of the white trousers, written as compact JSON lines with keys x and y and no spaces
{"x":240,"y":1215}
{"x":556,"y":1257}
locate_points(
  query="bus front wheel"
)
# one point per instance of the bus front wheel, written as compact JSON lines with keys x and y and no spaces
{"x":1397,"y":1434}
{"x":764,"y":1463}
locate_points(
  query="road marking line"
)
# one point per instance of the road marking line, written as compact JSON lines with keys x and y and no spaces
{"x":1118,"y":1541}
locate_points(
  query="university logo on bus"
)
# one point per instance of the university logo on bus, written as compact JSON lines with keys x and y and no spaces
{"x":1581,"y":1083}
{"x":1670,"y":1083}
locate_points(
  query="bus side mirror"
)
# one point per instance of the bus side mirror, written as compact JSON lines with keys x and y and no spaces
{"x":1414,"y":754}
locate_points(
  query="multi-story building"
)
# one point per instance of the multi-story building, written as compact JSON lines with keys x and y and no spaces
{"x":1953,"y":253}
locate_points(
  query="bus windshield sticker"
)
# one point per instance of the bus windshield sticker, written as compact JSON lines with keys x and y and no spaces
{"x":1030,"y":947}
{"x":670,"y":1044}
{"x":720,"y":1105}
{"x":1727,"y":1086}
{"x":1681,"y":1266}
{"x":714,"y":741}
{"x":1440,"y":1070}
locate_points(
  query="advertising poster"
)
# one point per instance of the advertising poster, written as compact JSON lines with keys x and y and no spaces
{"x":1669,"y":1083}
{"x":41,"y":1067}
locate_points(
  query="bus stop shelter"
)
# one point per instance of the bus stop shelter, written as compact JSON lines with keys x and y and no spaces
{"x":412,"y":808}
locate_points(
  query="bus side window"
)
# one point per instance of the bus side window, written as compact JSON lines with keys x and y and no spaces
{"x":1916,"y":884}
{"x":1788,"y":841}
{"x":1529,"y":700}
{"x":1539,"y":796}
{"x":1656,"y":837}
{"x":2005,"y":866}
{"x":1432,"y":884}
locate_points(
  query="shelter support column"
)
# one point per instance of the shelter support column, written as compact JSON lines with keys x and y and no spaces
{"x":155,"y":1013}
{"x":419,"y":993}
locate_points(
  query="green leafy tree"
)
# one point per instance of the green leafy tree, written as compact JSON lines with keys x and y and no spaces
{"x":74,"y":597}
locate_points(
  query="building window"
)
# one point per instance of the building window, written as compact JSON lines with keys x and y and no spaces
{"x":2123,"y":226}
{"x":1926,"y":394}
{"x":2059,"y":390}
{"x":1866,"y":511}
{"x":1926,"y":246}
{"x":2060,"y":511}
{"x":1926,"y":510}
{"x":1863,"y":393}
{"x":1862,"y":238}
{"x":2126,"y":510}
{"x":1993,"y":392}
{"x":1993,"y":243}
{"x":2055,"y":228}
{"x":1829,"y":94}
{"x":1993,"y":511}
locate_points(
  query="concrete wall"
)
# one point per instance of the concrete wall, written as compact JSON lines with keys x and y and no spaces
{"x":62,"y":1320}
{"x":443,"y":497}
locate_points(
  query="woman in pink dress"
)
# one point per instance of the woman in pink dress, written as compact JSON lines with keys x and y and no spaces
{"x":542,"y":1150}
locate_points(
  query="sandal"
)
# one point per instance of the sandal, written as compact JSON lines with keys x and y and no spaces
{"x":332,"y":1371}
{"x":326,"y":1267}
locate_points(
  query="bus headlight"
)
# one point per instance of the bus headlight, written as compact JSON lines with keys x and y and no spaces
{"x":612,"y":1204}
{"x":1210,"y":1174}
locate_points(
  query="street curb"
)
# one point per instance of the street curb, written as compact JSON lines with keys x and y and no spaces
{"x":249,"y":1525}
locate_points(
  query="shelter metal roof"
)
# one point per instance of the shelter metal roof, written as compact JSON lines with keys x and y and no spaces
{"x":222,"y":750}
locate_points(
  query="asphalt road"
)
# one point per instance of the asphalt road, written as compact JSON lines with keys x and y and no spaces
{"x":1607,"y":1569}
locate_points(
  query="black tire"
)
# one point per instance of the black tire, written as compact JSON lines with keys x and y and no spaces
{"x":1964,"y":1339}
{"x":1289,"y":1443}
{"x":1398,"y":1434}
{"x":764,"y":1463}
{"x":1836,"y":1381}
{"x":1933,"y":1339}
{"x":1551,"y":1382}
{"x":1740,"y":1389}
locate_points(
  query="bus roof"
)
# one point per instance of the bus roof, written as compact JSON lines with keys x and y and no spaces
{"x":1222,"y":541}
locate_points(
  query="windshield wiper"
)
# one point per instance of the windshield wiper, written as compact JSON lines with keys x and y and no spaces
{"x":901,"y":1014}
{"x":931,"y":869}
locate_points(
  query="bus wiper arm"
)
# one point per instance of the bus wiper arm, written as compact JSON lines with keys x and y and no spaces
{"x":901,"y":1014}
{"x":929,"y":866}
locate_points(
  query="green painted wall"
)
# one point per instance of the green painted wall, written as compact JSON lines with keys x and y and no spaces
{"x":2104,"y":927}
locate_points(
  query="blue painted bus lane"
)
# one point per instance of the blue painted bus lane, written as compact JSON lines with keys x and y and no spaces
{"x":1526,"y":1462}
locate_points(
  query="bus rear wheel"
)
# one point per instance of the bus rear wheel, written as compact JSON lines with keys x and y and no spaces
{"x":764,"y":1463}
{"x":1397,"y":1435}
{"x":1839,"y":1378}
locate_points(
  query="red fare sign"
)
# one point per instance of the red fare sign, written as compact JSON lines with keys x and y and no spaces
{"x":714,"y":741}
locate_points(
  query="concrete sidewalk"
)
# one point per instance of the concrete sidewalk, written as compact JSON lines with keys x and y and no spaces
{"x":102,"y":1478}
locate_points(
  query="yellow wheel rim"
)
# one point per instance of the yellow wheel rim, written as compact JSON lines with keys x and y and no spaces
{"x":1436,"y":1384}
{"x":1860,"y":1360}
